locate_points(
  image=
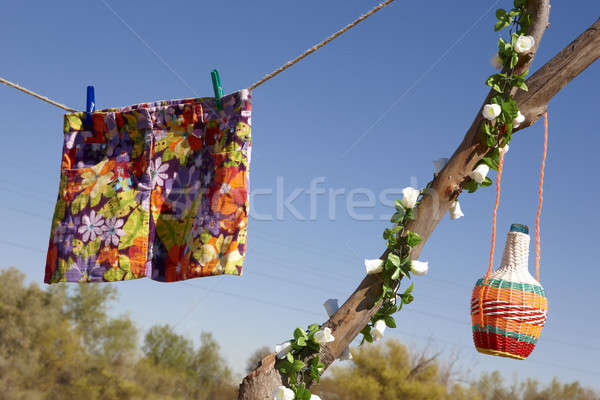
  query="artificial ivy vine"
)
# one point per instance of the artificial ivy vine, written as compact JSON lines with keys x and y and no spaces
{"x":501,"y":117}
{"x":502,"y":114}
{"x":305,"y":345}
{"x":396,"y":264}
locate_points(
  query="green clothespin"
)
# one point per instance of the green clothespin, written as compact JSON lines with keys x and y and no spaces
{"x":216,"y":81}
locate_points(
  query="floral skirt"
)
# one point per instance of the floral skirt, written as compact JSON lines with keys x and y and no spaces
{"x":156,"y":190}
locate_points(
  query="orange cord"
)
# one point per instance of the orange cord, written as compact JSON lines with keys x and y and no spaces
{"x":500,"y":165}
{"x":541,"y":198}
{"x":489,"y":271}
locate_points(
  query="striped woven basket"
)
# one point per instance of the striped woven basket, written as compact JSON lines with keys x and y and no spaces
{"x":509,"y":310}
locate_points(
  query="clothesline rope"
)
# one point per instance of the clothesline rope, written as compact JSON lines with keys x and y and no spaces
{"x":321,"y":44}
{"x":254,"y":85}
{"x":36,"y":95}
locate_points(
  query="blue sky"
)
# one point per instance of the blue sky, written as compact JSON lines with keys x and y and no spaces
{"x":371,"y":110}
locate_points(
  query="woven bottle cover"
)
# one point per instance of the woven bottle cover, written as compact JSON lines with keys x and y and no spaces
{"x":513,"y":302}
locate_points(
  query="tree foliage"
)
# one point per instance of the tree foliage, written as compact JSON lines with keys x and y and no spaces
{"x":389,"y":371}
{"x":62,"y":344}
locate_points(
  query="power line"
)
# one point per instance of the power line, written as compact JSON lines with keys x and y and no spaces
{"x":253,"y":86}
{"x":257,"y":300}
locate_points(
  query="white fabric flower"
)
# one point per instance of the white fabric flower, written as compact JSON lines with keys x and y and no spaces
{"x":409,"y":197}
{"x":523,"y":44}
{"x":158,"y":172}
{"x":378,"y":330}
{"x":439,"y":164}
{"x":373,"y":266}
{"x":113,"y":230}
{"x":419,"y":267}
{"x":496,"y":61}
{"x":91,"y":226}
{"x":455,"y":211}
{"x":491,"y":111}
{"x":283,"y":393}
{"x":282,"y":349}
{"x":506,"y":148}
{"x":517,"y":121}
{"x":314,"y":397}
{"x":323,"y":336}
{"x":479,"y":173}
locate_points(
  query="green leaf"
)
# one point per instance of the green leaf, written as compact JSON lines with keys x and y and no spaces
{"x":298,"y":365}
{"x":411,"y":214}
{"x":299,"y":333}
{"x":490,"y":140}
{"x":397,"y":217}
{"x":471,"y":186}
{"x":394,"y":259}
{"x":79,"y":203}
{"x":486,"y":182}
{"x":387,"y":233}
{"x":120,"y":205}
{"x":412,"y":239}
{"x":286,"y":368}
{"x":494,"y":82}
{"x":396,"y":273}
{"x":301,"y":393}
{"x":114,"y":274}
{"x":500,"y":13}
{"x":312,"y":328}
{"x":124,"y":263}
{"x":490,"y":162}
{"x":390,"y":322}
{"x":366,"y":331}
{"x":500,"y":25}
{"x":397,"y":229}
{"x":398,"y":205}
{"x":514,"y":59}
{"x":501,"y":45}
{"x":290,"y":357}
{"x":410,"y":288}
{"x":522,"y":85}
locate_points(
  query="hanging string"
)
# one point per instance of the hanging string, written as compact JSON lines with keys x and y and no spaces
{"x":493,"y":246}
{"x":319,"y":45}
{"x":541,"y":198}
{"x":36,"y":95}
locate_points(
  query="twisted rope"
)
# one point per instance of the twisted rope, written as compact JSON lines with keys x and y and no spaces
{"x":36,"y":95}
{"x":493,"y":246}
{"x":319,"y":45}
{"x":541,"y":198}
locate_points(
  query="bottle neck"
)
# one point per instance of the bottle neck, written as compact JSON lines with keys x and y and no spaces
{"x":516,"y":252}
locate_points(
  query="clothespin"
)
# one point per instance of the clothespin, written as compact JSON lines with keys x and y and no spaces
{"x":216,"y":81}
{"x":90,"y":105}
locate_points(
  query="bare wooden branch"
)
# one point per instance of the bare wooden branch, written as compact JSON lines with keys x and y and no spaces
{"x":356,"y":312}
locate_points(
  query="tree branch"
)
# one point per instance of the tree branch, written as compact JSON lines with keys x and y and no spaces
{"x":356,"y":312}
